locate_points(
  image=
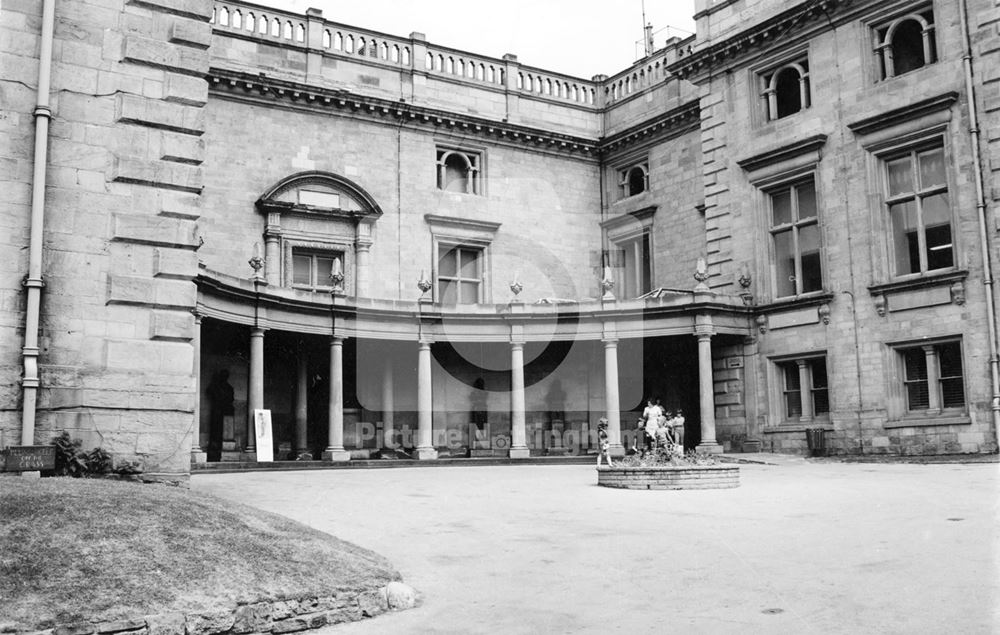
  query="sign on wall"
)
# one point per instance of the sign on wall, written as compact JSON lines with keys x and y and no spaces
{"x":265,"y":436}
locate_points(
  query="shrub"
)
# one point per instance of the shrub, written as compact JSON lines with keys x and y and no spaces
{"x":72,"y":461}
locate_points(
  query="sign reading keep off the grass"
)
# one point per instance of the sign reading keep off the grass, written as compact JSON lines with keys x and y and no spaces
{"x":28,"y":458}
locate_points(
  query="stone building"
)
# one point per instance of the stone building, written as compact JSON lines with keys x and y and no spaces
{"x":785,"y":222}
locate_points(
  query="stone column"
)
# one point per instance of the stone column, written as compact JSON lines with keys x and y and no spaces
{"x":704,"y":332}
{"x":302,"y":403}
{"x":256,"y":392}
{"x":805,"y":392}
{"x":518,"y":446}
{"x":197,"y":454}
{"x":614,"y":415}
{"x":335,"y":446}
{"x":425,"y":414}
{"x":388,"y":407}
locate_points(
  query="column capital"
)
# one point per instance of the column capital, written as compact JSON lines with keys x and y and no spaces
{"x":517,"y":345}
{"x":610,"y":342}
{"x":337,"y":340}
{"x":258,"y":331}
{"x":425,"y":343}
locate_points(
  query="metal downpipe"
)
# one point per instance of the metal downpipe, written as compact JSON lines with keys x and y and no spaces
{"x":982,"y":217}
{"x":33,"y":281}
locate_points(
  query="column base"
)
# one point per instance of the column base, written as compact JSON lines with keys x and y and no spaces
{"x":425,"y":454}
{"x":709,"y":448}
{"x":247,"y":456}
{"x":337,"y":456}
{"x":198,"y":456}
{"x":519,"y":453}
{"x":616,"y":450}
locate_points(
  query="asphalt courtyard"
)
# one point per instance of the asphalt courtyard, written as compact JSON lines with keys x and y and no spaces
{"x":799,"y":547}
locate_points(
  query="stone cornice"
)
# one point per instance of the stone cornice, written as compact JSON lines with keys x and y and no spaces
{"x":671,"y":123}
{"x":812,"y":144}
{"x":906,"y":113}
{"x":260,"y":88}
{"x":756,"y":37}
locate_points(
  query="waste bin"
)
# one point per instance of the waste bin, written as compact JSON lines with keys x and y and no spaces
{"x":816,"y":441}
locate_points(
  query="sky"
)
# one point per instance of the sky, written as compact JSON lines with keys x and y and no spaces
{"x":577,"y":37}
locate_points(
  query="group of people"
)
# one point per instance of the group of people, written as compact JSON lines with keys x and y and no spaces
{"x":654,"y":427}
{"x":657,"y":430}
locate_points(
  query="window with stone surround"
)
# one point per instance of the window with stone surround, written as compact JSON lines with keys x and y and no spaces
{"x":785,"y":89}
{"x":932,"y":377}
{"x":795,"y":239}
{"x":905,"y":42}
{"x":633,"y":180}
{"x":918,"y":209}
{"x":804,"y":389}
{"x":312,"y":269}
{"x":459,"y":170}
{"x":459,"y":274}
{"x":632,"y":257}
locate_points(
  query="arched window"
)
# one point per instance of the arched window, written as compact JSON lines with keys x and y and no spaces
{"x":262,"y":25}
{"x":406,"y":56}
{"x":786,"y":90}
{"x":300,"y":33}
{"x":905,"y":44}
{"x":349,"y":44}
{"x":394,"y":56}
{"x":634,"y":180}
{"x":224,"y":16}
{"x":276,"y":27}
{"x":458,"y":171}
{"x":237,"y":21}
{"x":327,"y":40}
{"x":338,"y":41}
{"x":251,"y":22}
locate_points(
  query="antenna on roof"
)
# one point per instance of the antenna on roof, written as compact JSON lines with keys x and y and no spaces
{"x":648,"y":31}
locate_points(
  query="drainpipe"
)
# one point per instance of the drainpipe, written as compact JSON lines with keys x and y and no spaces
{"x":33,"y":282}
{"x":983,"y":217}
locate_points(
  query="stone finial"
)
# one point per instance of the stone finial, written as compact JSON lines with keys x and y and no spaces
{"x":607,"y":284}
{"x":701,"y":275}
{"x":423,"y":283}
{"x":256,"y":261}
{"x":337,"y":277}
{"x":515,"y":286}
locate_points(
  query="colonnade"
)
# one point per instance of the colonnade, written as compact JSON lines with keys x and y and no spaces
{"x":336,"y":451}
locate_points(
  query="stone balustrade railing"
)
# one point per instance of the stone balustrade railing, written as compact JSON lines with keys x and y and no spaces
{"x":645,"y":73}
{"x":312,"y":31}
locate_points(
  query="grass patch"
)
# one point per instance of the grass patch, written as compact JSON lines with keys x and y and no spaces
{"x":93,"y":549}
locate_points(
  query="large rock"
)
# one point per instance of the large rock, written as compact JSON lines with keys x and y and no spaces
{"x":400,"y":596}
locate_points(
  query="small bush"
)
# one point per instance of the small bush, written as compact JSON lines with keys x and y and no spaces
{"x":72,"y":461}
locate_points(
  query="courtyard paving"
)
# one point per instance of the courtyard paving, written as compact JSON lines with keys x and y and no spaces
{"x":800,"y":547}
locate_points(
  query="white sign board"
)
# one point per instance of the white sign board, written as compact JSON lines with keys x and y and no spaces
{"x":265,"y":440}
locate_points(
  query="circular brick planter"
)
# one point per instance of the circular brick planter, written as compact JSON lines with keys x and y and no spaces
{"x":670,"y":477}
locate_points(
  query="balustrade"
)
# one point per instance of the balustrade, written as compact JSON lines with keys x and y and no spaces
{"x":271,"y":24}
